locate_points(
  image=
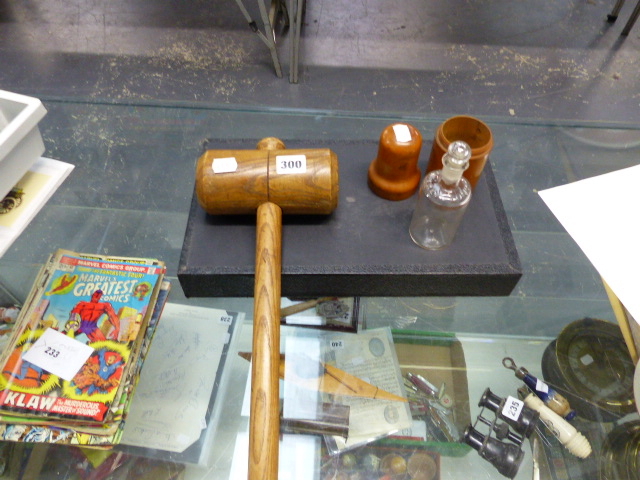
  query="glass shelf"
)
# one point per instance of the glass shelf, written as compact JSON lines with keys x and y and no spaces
{"x":131,"y":189}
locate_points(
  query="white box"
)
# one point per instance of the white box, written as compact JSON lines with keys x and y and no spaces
{"x":20,"y":141}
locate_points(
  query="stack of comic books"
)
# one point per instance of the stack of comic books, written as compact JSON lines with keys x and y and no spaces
{"x":71,"y":365}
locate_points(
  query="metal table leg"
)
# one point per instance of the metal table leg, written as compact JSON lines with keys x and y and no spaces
{"x":613,"y":16}
{"x":616,"y":10}
{"x":296,"y":9}
{"x":268,"y":37}
{"x":632,"y":20}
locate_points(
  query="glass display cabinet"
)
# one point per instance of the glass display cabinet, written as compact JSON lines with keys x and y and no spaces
{"x":130,"y":194}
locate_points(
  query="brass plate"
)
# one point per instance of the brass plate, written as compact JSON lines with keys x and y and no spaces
{"x":594,"y":362}
{"x":636,"y":386}
{"x":619,"y":459}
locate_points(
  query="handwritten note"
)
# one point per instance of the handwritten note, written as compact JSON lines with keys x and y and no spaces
{"x":169,"y":408}
{"x":370,"y":355}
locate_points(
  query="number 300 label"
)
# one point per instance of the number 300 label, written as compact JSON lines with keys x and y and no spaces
{"x":291,"y":164}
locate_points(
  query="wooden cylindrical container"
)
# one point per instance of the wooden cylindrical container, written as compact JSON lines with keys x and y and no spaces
{"x":470,"y":130}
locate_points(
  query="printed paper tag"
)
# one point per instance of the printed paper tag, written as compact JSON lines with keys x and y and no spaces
{"x":512,"y":408}
{"x":542,"y":387}
{"x":224,"y":165}
{"x":403,"y":134}
{"x":58,"y":354}
{"x":286,"y":164}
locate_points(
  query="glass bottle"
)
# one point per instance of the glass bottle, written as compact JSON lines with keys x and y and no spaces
{"x":443,"y":198}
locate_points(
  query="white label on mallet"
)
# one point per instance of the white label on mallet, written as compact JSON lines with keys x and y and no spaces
{"x":224,"y":165}
{"x":403,"y":134}
{"x":286,"y":164}
{"x":58,"y":354}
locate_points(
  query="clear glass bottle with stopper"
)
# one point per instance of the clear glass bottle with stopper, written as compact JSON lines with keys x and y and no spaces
{"x":443,"y":198}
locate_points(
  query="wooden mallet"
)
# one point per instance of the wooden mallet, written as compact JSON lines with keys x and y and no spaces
{"x":268,"y":181}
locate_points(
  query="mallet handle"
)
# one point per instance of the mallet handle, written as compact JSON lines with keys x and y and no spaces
{"x":264,"y":426}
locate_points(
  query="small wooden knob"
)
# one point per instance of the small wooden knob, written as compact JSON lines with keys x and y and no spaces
{"x":394,"y":174}
{"x":270,"y":143}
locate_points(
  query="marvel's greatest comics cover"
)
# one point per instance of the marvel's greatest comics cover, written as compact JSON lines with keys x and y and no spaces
{"x":90,"y":304}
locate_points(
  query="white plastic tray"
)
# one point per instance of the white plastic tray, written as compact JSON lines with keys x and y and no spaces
{"x":20,"y":141}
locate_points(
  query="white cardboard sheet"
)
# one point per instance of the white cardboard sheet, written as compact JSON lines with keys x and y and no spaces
{"x":602,"y":214}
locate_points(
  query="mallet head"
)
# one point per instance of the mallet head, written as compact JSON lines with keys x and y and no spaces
{"x":300,"y":181}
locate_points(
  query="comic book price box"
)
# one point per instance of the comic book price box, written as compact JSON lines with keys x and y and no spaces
{"x":362,"y":249}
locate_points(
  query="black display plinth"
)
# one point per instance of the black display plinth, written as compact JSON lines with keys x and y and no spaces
{"x":362,"y":249}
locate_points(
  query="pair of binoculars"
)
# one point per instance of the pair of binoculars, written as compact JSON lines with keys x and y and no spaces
{"x":513,"y":422}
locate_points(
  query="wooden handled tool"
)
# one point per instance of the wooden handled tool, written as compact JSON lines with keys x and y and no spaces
{"x":269,"y":181}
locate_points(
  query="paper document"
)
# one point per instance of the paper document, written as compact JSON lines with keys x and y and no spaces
{"x":28,"y":196}
{"x":169,"y":408}
{"x":601,"y":214}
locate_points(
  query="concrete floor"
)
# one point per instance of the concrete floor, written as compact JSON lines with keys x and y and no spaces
{"x":520,"y":66}
{"x":537,"y":60}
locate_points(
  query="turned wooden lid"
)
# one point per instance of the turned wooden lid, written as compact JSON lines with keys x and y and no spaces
{"x":394,"y":173}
